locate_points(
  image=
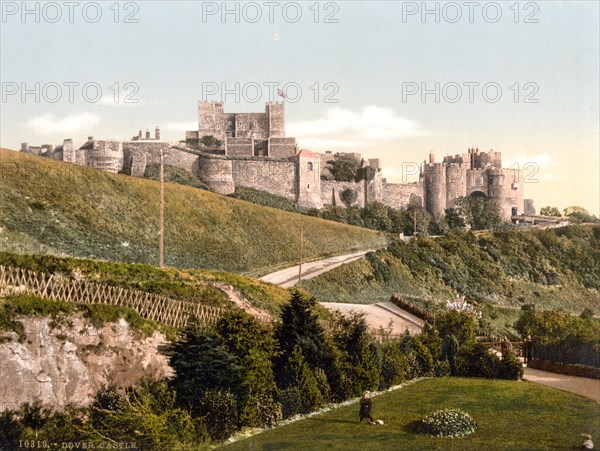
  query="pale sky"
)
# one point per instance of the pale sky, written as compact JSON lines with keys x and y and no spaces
{"x":385,"y":79}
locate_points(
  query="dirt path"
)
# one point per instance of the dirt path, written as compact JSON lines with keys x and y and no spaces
{"x":380,"y":315}
{"x":289,"y":277}
{"x":590,"y":388}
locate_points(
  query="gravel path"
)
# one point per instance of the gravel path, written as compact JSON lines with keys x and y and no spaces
{"x":590,"y":388}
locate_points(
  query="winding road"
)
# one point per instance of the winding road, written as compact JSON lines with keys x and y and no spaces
{"x":377,"y":315}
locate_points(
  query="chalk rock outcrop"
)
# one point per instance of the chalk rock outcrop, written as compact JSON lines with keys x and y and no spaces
{"x":66,"y":363}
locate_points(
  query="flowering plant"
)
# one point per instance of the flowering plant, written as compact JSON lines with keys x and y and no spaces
{"x":450,"y":423}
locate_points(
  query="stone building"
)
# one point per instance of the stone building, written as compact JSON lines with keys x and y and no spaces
{"x":258,"y":155}
{"x":246,"y":134}
{"x":472,"y":174}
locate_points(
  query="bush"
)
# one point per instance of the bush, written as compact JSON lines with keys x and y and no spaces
{"x":478,"y":361}
{"x":219,"y":412}
{"x":510,"y":367}
{"x":450,"y":423}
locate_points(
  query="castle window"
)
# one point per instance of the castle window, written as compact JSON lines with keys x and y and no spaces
{"x":310,"y":166}
{"x":218,"y":127}
{"x":255,"y":123}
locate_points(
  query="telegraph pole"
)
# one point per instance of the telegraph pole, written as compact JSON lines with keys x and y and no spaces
{"x":161,"y":214}
{"x":414,"y":222}
{"x":301,"y":250}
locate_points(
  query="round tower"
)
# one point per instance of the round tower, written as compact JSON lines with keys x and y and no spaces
{"x":217,"y":173}
{"x":434,"y":182}
{"x":505,"y":187}
{"x":104,"y":155}
{"x":456,"y":175}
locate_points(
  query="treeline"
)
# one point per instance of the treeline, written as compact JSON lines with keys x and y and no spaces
{"x":555,"y":268}
{"x":240,"y":374}
{"x":561,"y":337}
{"x":474,"y":213}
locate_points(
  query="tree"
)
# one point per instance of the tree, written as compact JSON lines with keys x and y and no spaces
{"x":301,"y":380}
{"x":460,"y":325}
{"x":210,"y":141}
{"x":359,"y":352}
{"x":579,"y":215}
{"x":344,"y":167}
{"x":375,"y":216}
{"x":422,"y":217}
{"x":254,"y":347}
{"x":475,"y":212}
{"x":202,"y":363}
{"x":300,"y":327}
{"x":550,"y":211}
{"x":348,"y":197}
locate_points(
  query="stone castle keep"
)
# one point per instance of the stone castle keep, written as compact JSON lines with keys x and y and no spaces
{"x":256,"y":154}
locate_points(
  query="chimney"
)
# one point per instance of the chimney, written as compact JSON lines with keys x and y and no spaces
{"x":431,"y":158}
{"x":147,"y":134}
{"x":140,"y":134}
{"x":90,"y":138}
{"x":157,"y":133}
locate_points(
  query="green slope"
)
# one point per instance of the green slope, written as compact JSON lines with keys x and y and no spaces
{"x":557,"y":268}
{"x":58,"y":208}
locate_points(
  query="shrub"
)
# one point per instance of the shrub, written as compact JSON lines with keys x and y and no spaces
{"x":219,"y":412}
{"x":450,"y":423}
{"x":510,"y":367}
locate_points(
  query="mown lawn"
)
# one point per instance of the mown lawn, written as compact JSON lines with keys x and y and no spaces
{"x":510,"y":415}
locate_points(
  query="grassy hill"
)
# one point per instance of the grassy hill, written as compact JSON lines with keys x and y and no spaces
{"x":553,"y":269}
{"x":51,"y":207}
{"x":510,"y":415}
{"x":194,"y":285}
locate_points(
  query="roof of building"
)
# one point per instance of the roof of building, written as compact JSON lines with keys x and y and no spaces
{"x":307,"y":153}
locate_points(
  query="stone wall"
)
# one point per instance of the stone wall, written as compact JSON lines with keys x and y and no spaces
{"x":239,"y":147}
{"x":105,"y":156}
{"x":282,"y":147}
{"x":276,"y":177}
{"x":138,"y":154}
{"x":330,"y":193}
{"x":217,"y":173}
{"x":398,"y":195}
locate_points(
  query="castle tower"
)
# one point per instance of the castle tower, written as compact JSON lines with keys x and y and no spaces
{"x":308,"y":180}
{"x":276,"y":119}
{"x":211,"y":120}
{"x":433,"y":176}
{"x":505,"y":187}
{"x":456,"y":175}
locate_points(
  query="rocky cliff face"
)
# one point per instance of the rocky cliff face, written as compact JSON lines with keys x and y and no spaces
{"x":66,"y":363}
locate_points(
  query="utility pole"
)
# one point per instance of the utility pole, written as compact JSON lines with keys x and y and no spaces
{"x":161,"y":214}
{"x":301,"y":251}
{"x":414,"y":222}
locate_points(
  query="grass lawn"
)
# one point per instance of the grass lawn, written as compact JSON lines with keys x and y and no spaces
{"x":510,"y":415}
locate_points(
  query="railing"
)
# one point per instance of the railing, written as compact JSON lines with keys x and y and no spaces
{"x":171,"y":312}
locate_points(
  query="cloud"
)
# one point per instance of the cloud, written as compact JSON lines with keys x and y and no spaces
{"x":73,"y":124}
{"x":340,"y":128}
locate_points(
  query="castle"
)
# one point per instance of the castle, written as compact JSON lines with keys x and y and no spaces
{"x":255,"y":153}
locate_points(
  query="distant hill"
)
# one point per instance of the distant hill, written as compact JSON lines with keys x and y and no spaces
{"x":52,"y":207}
{"x":505,"y":269}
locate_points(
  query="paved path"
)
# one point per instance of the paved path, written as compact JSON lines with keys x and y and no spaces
{"x":289,"y":277}
{"x":590,"y":388}
{"x":379,"y":315}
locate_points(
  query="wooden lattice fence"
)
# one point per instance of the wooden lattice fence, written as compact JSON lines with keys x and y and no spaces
{"x":151,"y":306}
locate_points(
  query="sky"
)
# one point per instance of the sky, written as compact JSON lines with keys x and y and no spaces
{"x":389,"y":80}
